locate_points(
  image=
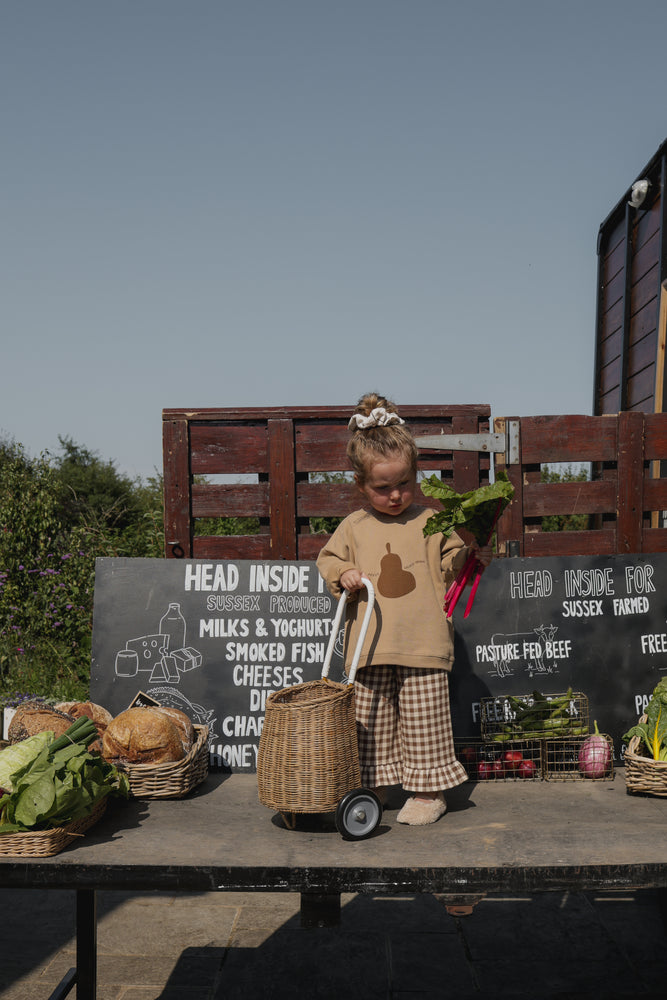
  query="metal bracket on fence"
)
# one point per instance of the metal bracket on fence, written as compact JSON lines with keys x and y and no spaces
{"x":507,"y":442}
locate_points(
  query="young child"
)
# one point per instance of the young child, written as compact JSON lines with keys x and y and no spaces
{"x":401,"y":687}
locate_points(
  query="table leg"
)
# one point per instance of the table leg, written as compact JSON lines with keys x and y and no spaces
{"x":86,"y":944}
{"x":320,"y":909}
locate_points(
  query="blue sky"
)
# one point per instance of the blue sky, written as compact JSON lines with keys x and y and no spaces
{"x":291,"y":202}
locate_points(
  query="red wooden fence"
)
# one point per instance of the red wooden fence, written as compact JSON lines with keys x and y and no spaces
{"x":625,"y":499}
{"x":271,"y":463}
{"x":284,"y":451}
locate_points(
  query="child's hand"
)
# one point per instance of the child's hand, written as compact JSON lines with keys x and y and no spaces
{"x":484,"y":553}
{"x":351,"y":580}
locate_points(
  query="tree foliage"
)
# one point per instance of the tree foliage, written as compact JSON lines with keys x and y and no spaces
{"x":57,"y":515}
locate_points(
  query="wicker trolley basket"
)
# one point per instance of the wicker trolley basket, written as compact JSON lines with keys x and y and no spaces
{"x":308,"y":758}
{"x":643,"y":775}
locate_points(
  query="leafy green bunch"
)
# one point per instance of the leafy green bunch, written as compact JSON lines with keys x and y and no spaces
{"x":477,"y":510}
{"x":50,"y":782}
{"x":653,"y":732}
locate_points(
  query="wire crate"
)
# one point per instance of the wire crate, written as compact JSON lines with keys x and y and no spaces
{"x":562,"y":760}
{"x":534,"y":716}
{"x":516,"y":760}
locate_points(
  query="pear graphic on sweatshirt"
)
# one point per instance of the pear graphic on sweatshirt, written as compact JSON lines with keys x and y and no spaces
{"x":394,"y":581}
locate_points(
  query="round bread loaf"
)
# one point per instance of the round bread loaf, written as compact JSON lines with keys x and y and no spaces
{"x":97,"y":713}
{"x":35,"y":717}
{"x":184,"y":724}
{"x":142,"y":736}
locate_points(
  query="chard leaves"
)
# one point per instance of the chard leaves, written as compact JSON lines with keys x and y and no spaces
{"x":653,"y":732}
{"x":477,"y":511}
{"x":53,"y":789}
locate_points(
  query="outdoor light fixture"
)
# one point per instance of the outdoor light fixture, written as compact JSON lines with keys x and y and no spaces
{"x":639,"y":192}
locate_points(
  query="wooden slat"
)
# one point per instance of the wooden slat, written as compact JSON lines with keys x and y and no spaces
{"x":570,"y":543}
{"x":176,"y":482}
{"x":655,"y":540}
{"x":644,"y":323}
{"x":509,"y":530}
{"x":544,"y":499}
{"x":230,"y":500}
{"x":571,"y":438}
{"x":320,"y":447}
{"x":630,"y":471}
{"x":228,"y":449}
{"x":655,"y":435}
{"x":282,"y":489}
{"x":232,"y":547}
{"x":309,"y":546}
{"x":655,"y":494}
{"x":327,"y":499}
{"x":640,"y":389}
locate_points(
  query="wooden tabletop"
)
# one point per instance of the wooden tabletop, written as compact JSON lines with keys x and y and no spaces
{"x":512,"y":836}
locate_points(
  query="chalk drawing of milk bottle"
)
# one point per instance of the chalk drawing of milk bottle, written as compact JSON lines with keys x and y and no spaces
{"x":172,"y":624}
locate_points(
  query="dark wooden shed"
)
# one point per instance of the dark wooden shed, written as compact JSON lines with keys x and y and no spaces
{"x":632,"y":297}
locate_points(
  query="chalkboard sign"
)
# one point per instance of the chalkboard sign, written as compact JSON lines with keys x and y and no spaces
{"x":214,"y":638}
{"x":210,"y":638}
{"x":597,"y":624}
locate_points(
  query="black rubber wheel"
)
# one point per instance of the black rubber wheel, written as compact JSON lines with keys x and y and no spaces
{"x":358,"y":814}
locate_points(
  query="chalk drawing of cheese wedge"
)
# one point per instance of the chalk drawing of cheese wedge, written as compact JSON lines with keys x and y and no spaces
{"x":149,"y":649}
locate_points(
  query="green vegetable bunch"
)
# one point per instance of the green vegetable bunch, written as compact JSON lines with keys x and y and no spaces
{"x":55,"y":781}
{"x":541,"y":716}
{"x":477,"y":511}
{"x":653,"y":732}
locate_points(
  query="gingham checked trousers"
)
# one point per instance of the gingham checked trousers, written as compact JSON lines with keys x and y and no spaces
{"x":404,"y":729}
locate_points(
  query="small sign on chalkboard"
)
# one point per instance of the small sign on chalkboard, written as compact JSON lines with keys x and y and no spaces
{"x":143,"y":700}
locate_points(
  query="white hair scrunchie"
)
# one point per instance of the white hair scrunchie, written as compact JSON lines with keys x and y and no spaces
{"x":379,"y":417}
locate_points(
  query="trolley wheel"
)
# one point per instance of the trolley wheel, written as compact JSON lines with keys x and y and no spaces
{"x":358,"y":814}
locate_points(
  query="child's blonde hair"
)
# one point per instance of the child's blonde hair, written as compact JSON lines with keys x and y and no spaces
{"x":369,"y":445}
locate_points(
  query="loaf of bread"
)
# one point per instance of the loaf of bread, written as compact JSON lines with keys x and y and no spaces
{"x":184,"y":725}
{"x":142,"y":735}
{"x":35,"y":717}
{"x":97,"y":713}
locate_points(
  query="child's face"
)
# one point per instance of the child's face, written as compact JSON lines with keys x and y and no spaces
{"x":390,"y":485}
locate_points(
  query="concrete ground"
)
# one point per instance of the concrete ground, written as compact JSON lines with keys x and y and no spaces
{"x":223,"y":946}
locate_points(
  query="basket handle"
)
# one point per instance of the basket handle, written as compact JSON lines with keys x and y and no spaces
{"x":335,"y":627}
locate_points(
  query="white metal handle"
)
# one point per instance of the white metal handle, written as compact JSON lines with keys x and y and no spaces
{"x":335,"y":628}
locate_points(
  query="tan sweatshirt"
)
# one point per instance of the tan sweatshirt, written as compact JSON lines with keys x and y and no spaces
{"x":410,"y":574}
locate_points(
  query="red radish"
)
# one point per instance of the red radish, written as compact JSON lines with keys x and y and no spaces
{"x":595,"y":755}
{"x":490,"y":769}
{"x":527,"y":769}
{"x":511,"y":760}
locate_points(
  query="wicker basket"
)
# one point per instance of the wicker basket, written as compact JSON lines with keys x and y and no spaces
{"x":173,"y":780}
{"x":43,"y":843}
{"x":308,"y":757}
{"x":643,"y":775}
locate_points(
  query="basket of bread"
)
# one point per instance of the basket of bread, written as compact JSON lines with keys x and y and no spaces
{"x":163,"y":753}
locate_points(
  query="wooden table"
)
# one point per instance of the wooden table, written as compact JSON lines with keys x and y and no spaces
{"x":516,"y":837}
